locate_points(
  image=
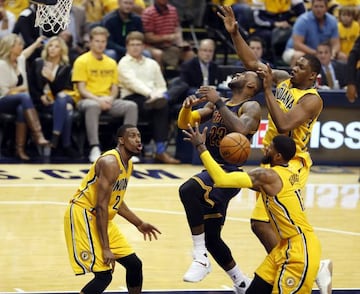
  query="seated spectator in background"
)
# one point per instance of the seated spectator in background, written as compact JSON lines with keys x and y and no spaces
{"x":7,"y":20}
{"x":16,"y":7}
{"x":256,"y":44}
{"x":73,"y":52}
{"x":310,"y":29}
{"x":120,"y":22}
{"x":273,"y":23}
{"x":199,"y":71}
{"x":78,"y":30}
{"x":353,"y":71}
{"x":333,"y":72}
{"x":349,"y":30}
{"x":163,"y":34}
{"x":141,"y":81}
{"x":25,"y":27}
{"x":51,"y":89}
{"x":14,"y":95}
{"x":96,"y":79}
{"x":95,"y":10}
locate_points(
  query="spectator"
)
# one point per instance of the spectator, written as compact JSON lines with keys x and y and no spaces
{"x":51,"y":88}
{"x":273,"y":23}
{"x":141,"y":81}
{"x":7,"y":20}
{"x":78,"y":30}
{"x":349,"y":30}
{"x":96,"y":78}
{"x":16,"y":7}
{"x":123,"y":18}
{"x":163,"y":34}
{"x":14,"y":96}
{"x":25,"y":27}
{"x":256,"y":44}
{"x":96,"y":10}
{"x":198,"y":71}
{"x":333,"y":72}
{"x":310,"y":29}
{"x":353,"y":70}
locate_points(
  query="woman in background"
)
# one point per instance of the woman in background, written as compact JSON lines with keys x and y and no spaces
{"x":51,"y":88}
{"x":14,"y":96}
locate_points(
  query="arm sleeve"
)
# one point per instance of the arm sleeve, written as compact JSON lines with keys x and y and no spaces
{"x":223,"y":179}
{"x":187,"y":116}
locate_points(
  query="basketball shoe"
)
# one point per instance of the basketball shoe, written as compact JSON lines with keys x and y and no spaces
{"x":241,"y":289}
{"x":198,"y":269}
{"x":324,"y":276}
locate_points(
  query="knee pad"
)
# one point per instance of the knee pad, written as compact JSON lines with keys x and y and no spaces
{"x":258,"y":285}
{"x":133,"y":266}
{"x":99,"y":283}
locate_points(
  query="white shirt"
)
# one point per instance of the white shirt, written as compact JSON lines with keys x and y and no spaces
{"x":140,"y":76}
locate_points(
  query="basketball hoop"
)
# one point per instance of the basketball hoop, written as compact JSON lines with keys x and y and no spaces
{"x":53,"y":18}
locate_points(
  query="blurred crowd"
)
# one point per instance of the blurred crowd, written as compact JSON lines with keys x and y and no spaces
{"x":137,"y":60}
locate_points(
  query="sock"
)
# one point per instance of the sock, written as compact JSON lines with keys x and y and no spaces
{"x":199,"y":243}
{"x":160,"y":147}
{"x":236,"y":275}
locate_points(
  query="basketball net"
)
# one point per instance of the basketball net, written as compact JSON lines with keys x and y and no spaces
{"x":53,"y":18}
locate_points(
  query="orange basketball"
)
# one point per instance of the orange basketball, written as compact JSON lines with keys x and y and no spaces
{"x":235,"y":148}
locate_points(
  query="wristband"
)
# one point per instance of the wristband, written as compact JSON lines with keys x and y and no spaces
{"x":219,"y":104}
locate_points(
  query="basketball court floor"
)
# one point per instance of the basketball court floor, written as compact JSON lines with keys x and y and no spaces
{"x":33,"y":257}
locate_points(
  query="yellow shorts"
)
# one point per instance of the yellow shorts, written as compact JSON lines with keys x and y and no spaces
{"x":259,"y":212}
{"x":293,"y":264}
{"x":82,"y":240}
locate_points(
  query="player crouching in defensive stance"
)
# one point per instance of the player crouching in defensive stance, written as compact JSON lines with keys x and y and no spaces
{"x":94,"y":241}
{"x":292,"y":266}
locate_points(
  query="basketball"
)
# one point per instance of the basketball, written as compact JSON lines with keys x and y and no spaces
{"x":235,"y":148}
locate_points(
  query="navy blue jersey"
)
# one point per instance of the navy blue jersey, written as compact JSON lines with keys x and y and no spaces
{"x":217,"y":130}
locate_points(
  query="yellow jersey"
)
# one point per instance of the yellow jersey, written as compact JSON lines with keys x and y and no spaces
{"x":287,"y":97}
{"x":86,"y":194}
{"x":286,"y":209}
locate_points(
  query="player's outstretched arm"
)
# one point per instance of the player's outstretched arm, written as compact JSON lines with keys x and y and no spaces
{"x":243,"y":51}
{"x":220,"y":177}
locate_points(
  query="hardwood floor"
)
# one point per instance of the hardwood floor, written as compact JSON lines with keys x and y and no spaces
{"x":33,"y":198}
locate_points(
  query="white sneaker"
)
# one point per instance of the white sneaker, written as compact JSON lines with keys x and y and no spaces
{"x":241,"y":289}
{"x":135,"y":159}
{"x":198,"y":269}
{"x":94,"y":154}
{"x":324,"y":276}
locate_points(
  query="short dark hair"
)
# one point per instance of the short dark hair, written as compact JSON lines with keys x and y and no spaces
{"x":314,"y":62}
{"x":121,"y":130}
{"x":285,"y":146}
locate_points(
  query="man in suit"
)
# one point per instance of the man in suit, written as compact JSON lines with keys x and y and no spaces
{"x":196,"y":72}
{"x":333,"y":72}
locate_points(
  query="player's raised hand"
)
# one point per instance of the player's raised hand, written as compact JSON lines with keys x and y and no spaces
{"x":194,"y":136}
{"x":227,"y":15}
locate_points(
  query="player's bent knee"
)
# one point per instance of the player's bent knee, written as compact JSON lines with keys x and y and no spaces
{"x":133,"y":266}
{"x":99,"y":283}
{"x":189,"y":189}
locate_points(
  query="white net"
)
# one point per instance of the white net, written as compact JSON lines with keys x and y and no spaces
{"x":53,"y":18}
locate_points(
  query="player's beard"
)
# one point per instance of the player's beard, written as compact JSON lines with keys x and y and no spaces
{"x":236,"y":84}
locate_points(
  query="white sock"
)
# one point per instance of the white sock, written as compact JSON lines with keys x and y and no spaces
{"x":236,"y":275}
{"x":199,"y":243}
